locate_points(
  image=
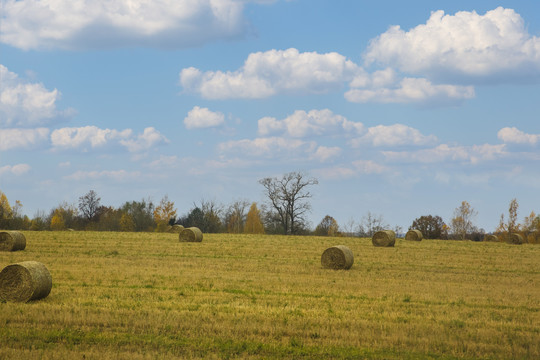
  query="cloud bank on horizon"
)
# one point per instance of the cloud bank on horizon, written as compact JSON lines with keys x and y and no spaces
{"x":440,"y":64}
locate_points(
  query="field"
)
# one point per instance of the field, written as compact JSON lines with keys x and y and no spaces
{"x":148,"y":296}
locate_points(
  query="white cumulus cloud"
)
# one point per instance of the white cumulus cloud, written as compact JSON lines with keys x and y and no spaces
{"x":17,"y":170}
{"x":83,"y":137}
{"x":203,"y":118}
{"x":25,"y":104}
{"x":148,"y":139}
{"x":493,"y":46}
{"x":411,"y":90}
{"x":92,"y":137}
{"x":270,"y":147}
{"x":84,"y":24}
{"x":315,"y":122}
{"x":273,"y":72}
{"x":22,"y":138}
{"x":325,"y":153}
{"x":276,"y":72}
{"x":516,"y":136}
{"x":393,"y":135}
{"x":446,"y":153}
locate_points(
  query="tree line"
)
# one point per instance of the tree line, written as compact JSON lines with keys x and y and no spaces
{"x":284,"y":212}
{"x":144,"y":215}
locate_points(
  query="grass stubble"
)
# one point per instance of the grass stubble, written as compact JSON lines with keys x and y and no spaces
{"x":148,"y":296}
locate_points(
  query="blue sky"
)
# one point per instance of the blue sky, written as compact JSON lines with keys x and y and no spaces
{"x":399,"y":108}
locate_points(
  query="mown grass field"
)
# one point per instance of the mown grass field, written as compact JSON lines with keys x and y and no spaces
{"x":148,"y":296}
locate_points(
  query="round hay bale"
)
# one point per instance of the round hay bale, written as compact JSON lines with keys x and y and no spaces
{"x":25,"y":281}
{"x":384,"y":238}
{"x":176,"y":229}
{"x":337,"y":257}
{"x":12,"y":241}
{"x":191,"y":234}
{"x":516,"y":239}
{"x":491,"y":238}
{"x":414,"y":235}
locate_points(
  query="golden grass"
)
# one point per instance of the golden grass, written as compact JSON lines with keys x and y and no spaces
{"x":147,"y":296}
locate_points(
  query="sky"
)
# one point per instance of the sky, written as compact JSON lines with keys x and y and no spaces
{"x":398,"y":108}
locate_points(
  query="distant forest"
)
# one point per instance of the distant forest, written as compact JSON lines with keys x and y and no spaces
{"x":284,"y":213}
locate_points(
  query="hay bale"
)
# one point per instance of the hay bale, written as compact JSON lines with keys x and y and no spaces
{"x":337,"y":257}
{"x":414,"y":235}
{"x":176,"y":229}
{"x":25,"y":281}
{"x":191,"y":234}
{"x":516,"y":239}
{"x":12,"y":241}
{"x":491,"y":238}
{"x":384,"y":238}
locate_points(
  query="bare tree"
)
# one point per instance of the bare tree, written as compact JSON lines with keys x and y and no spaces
{"x":370,"y":224}
{"x":235,"y":216}
{"x":349,"y":228}
{"x":511,"y":226}
{"x":462,"y":222}
{"x":206,"y":216}
{"x":288,"y":197}
{"x":89,"y":205}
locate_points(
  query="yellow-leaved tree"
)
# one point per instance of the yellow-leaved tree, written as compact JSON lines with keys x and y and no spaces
{"x":253,"y":223}
{"x":6,"y":213}
{"x":531,"y":228}
{"x":163,"y":213}
{"x":511,"y":226}
{"x":126,"y":223}
{"x":57,"y":222}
